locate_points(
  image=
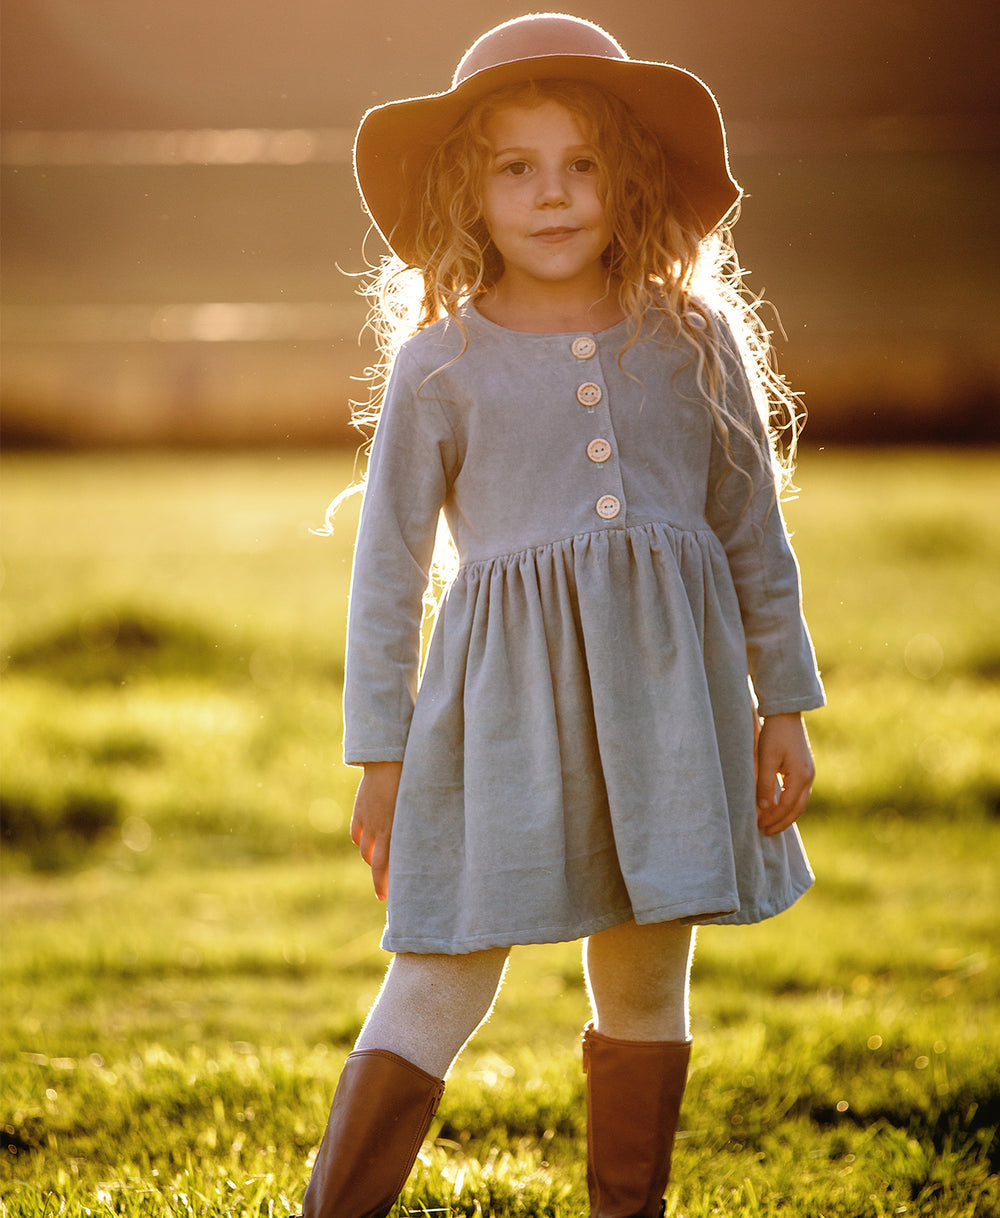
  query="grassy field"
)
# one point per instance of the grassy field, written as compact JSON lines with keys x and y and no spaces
{"x":190,"y":943}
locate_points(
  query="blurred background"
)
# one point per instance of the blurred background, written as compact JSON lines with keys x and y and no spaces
{"x":181,"y":232}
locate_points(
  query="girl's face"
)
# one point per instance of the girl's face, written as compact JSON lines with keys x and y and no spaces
{"x":541,"y":202}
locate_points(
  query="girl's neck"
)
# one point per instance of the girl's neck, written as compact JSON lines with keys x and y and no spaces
{"x":551,"y":312}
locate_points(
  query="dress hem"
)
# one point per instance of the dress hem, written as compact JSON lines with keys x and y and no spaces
{"x":753,"y":914}
{"x":420,"y":945}
{"x":709,"y":911}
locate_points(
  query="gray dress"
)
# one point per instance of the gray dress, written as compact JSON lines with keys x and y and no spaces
{"x":579,"y":751}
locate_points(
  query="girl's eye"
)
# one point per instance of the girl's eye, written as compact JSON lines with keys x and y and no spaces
{"x":516,"y":169}
{"x":585,"y":164}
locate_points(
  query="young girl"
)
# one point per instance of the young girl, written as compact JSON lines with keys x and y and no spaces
{"x":586,"y":397}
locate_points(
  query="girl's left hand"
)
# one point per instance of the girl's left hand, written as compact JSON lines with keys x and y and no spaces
{"x":785,"y":772}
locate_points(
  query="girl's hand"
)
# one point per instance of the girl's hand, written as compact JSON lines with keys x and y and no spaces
{"x":785,"y":772}
{"x":371,"y":824}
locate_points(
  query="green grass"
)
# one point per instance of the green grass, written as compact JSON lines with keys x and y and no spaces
{"x":190,"y":943}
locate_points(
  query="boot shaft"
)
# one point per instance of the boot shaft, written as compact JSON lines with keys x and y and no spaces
{"x":634,"y":1093}
{"x":381,"y":1112}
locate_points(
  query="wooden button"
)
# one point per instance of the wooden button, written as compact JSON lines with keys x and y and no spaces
{"x":598,"y":451}
{"x":608,"y":507}
{"x":589,"y":394}
{"x":583,"y":347}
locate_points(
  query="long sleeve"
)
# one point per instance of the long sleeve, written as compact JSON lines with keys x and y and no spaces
{"x":412,"y":459}
{"x":744,"y":512}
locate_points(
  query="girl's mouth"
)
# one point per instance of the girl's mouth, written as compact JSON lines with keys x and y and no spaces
{"x":554,"y":234}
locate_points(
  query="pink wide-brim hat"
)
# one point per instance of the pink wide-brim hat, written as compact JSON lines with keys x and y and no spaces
{"x":396,"y":140}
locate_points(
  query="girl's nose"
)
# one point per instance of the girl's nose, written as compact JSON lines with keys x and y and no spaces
{"x":552,"y":188}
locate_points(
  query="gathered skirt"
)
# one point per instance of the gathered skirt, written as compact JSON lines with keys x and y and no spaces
{"x":581,"y":751}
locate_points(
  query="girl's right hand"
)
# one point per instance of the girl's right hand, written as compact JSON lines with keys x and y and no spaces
{"x":371,"y":824}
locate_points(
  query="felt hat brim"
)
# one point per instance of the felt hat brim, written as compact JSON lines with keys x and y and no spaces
{"x":396,"y":140}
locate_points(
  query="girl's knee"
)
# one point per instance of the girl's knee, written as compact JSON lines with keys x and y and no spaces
{"x":472,"y":978}
{"x":637,"y":948}
{"x":639,"y":970}
{"x":430,"y":1005}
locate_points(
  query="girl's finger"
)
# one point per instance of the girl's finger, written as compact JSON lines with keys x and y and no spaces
{"x":789,"y":806}
{"x":380,"y":870}
{"x":767,"y":789}
{"x":768,"y":784}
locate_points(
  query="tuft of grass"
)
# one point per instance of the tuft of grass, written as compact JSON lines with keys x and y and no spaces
{"x":115,"y":645}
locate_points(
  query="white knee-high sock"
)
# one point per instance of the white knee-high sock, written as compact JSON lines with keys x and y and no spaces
{"x":429,"y":1006}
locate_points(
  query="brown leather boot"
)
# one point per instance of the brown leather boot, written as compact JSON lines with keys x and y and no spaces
{"x":382,"y":1109}
{"x":634,"y":1091}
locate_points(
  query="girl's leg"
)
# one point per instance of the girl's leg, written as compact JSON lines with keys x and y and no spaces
{"x":429,"y":1006}
{"x":636,"y":1060}
{"x":392,"y":1082}
{"x":638,"y":980}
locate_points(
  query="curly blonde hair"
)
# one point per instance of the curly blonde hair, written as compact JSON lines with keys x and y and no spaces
{"x":670,"y":278}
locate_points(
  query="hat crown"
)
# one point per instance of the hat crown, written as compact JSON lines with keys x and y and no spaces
{"x":536,"y":35}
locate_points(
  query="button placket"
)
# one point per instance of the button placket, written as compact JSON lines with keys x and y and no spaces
{"x":599,"y":449}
